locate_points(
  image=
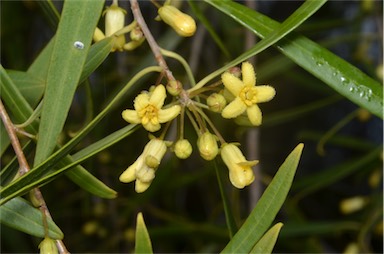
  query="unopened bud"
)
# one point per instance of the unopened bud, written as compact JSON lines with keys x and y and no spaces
{"x":183,"y":24}
{"x":136,"y":34}
{"x":183,"y":149}
{"x":48,"y":246}
{"x":216,"y":102}
{"x":114,"y":21}
{"x":207,"y":145}
{"x":174,"y":87}
{"x":353,"y":204}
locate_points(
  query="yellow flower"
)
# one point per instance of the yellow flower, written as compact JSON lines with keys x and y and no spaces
{"x":144,"y":168}
{"x":247,"y":94}
{"x":240,"y":170}
{"x":183,"y":24}
{"x":148,"y":110}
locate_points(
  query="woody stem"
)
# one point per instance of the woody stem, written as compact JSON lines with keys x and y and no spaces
{"x":151,"y":41}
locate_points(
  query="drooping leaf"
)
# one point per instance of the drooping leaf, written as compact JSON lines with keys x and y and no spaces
{"x":21,"y":215}
{"x":142,"y":242}
{"x":267,"y":207}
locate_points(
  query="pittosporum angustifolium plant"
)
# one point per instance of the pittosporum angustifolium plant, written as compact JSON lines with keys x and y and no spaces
{"x":171,"y":123}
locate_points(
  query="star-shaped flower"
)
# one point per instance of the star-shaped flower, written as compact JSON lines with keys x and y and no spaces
{"x":247,"y":94}
{"x":148,"y":110}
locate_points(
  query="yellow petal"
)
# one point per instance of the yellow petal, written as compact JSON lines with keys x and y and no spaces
{"x":158,"y":96}
{"x":166,"y":115}
{"x":130,"y":173}
{"x":141,"y":186}
{"x":130,"y":116}
{"x":149,"y":126}
{"x":145,"y":174}
{"x":254,"y":115}
{"x":248,"y":74}
{"x":232,"y":83}
{"x":234,"y":109}
{"x":141,"y":101}
{"x":156,"y":148}
{"x":114,"y":19}
{"x":241,"y":178}
{"x":265,"y":93}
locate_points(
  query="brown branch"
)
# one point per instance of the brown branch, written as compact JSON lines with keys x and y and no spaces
{"x":24,"y":168}
{"x":23,"y":164}
{"x":151,"y":41}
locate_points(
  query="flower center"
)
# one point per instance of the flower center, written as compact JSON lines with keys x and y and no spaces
{"x":248,"y":95}
{"x":149,"y":113}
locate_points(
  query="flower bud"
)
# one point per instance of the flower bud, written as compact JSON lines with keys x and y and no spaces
{"x":183,"y":24}
{"x":48,"y":246}
{"x":136,"y":34}
{"x":174,"y":87}
{"x":216,"y":102}
{"x":207,"y":145}
{"x":114,"y":21}
{"x":353,"y":204}
{"x":183,"y":149}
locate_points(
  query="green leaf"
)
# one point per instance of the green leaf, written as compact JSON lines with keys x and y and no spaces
{"x":268,"y":241}
{"x":34,"y":177}
{"x":268,"y":206}
{"x":21,"y":215}
{"x":30,"y":86}
{"x":200,"y":15}
{"x":67,"y":61}
{"x":21,"y":110}
{"x":298,"y":17}
{"x":43,"y":174}
{"x":87,"y":181}
{"x":340,"y":75}
{"x":142,"y":242}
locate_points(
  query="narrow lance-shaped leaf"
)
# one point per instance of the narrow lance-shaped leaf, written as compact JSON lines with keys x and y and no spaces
{"x":142,"y":242}
{"x":340,"y":75}
{"x":34,"y":177}
{"x":268,"y":206}
{"x":72,"y":41}
{"x":298,"y":17}
{"x":268,"y":241}
{"x":21,"y":215}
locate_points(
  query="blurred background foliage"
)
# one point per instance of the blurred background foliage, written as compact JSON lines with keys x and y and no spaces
{"x":183,"y":209}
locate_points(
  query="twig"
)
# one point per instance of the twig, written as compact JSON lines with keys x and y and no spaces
{"x":151,"y":41}
{"x":24,"y":168}
{"x":23,"y":164}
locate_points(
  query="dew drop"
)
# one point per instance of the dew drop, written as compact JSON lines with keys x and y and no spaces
{"x":319,"y":63}
{"x":78,"y":45}
{"x":352,"y":89}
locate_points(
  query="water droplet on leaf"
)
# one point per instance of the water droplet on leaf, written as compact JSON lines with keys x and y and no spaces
{"x":78,"y":45}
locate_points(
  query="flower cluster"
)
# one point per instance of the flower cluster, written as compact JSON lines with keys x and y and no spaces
{"x":238,"y":96}
{"x":235,"y":95}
